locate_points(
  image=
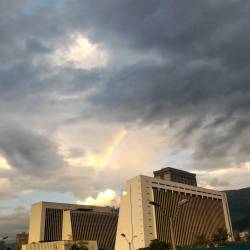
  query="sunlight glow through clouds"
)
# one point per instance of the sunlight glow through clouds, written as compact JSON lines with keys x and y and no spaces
{"x":79,"y":53}
{"x":4,"y":164}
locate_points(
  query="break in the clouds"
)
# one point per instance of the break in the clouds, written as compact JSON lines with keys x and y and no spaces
{"x":95,"y":92}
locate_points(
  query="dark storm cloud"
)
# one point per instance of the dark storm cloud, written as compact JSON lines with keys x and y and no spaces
{"x":199,"y":43}
{"x":199,"y":74}
{"x":203,"y":72}
{"x":29,"y":152}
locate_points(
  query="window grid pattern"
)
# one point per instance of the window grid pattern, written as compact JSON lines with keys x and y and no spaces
{"x":95,"y":226}
{"x":53,"y":224}
{"x":200,"y":216}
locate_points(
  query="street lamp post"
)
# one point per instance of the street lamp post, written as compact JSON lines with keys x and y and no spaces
{"x":129,"y":242}
{"x":171,"y":218}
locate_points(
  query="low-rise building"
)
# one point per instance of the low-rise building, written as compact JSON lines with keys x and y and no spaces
{"x":50,"y":222}
{"x":21,"y":239}
{"x":59,"y":245}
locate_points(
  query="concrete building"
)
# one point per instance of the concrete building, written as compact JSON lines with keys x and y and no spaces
{"x":21,"y":239}
{"x":140,"y":222}
{"x":50,"y":222}
{"x":58,"y":245}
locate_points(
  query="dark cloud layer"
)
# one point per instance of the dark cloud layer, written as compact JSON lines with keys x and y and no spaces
{"x":29,"y":152}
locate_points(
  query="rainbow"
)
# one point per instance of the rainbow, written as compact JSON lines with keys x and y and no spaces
{"x":109,"y":151}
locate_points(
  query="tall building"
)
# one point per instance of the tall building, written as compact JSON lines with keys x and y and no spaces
{"x":21,"y":239}
{"x":176,"y":175}
{"x":51,"y":222}
{"x":140,"y":222}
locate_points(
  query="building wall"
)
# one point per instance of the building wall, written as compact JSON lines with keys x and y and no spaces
{"x":57,"y":245}
{"x":124,"y":224}
{"x":147,"y":224}
{"x":201,"y":216}
{"x":46,"y":219}
{"x":131,"y":217}
{"x":101,"y":227}
{"x":36,"y":224}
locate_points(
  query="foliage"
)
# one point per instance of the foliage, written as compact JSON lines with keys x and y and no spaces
{"x":220,"y":236}
{"x":201,"y":241}
{"x":184,"y":248}
{"x":79,"y":246}
{"x":157,"y":245}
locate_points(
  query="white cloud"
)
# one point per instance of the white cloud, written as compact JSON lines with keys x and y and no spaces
{"x":79,"y":53}
{"x":225,"y":178}
{"x":107,"y":198}
{"x":4,"y":164}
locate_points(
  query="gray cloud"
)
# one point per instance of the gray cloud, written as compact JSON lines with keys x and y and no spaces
{"x":29,"y":152}
{"x":14,"y":222}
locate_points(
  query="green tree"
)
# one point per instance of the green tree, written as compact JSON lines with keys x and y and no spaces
{"x":201,"y":241}
{"x":157,"y":245}
{"x":220,"y":236}
{"x":79,"y":246}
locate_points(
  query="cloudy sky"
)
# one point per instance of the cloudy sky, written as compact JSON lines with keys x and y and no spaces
{"x":94,"y":92}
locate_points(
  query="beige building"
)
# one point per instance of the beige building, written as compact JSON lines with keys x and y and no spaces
{"x":58,"y":245}
{"x":140,"y":222}
{"x":50,"y":222}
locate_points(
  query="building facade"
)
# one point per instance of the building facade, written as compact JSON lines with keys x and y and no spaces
{"x":58,"y":245}
{"x":21,"y":239}
{"x":101,"y":226}
{"x":140,"y":222}
{"x":50,"y":222}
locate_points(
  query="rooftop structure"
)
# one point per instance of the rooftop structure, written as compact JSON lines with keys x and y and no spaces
{"x":176,"y":175}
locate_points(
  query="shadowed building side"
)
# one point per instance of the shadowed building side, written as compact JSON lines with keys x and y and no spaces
{"x":202,"y":216}
{"x":91,"y":226}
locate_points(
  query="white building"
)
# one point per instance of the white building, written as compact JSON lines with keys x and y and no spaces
{"x":58,"y":222}
{"x":140,"y":222}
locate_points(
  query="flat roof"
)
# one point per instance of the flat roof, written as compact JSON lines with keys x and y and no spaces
{"x":169,"y":169}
